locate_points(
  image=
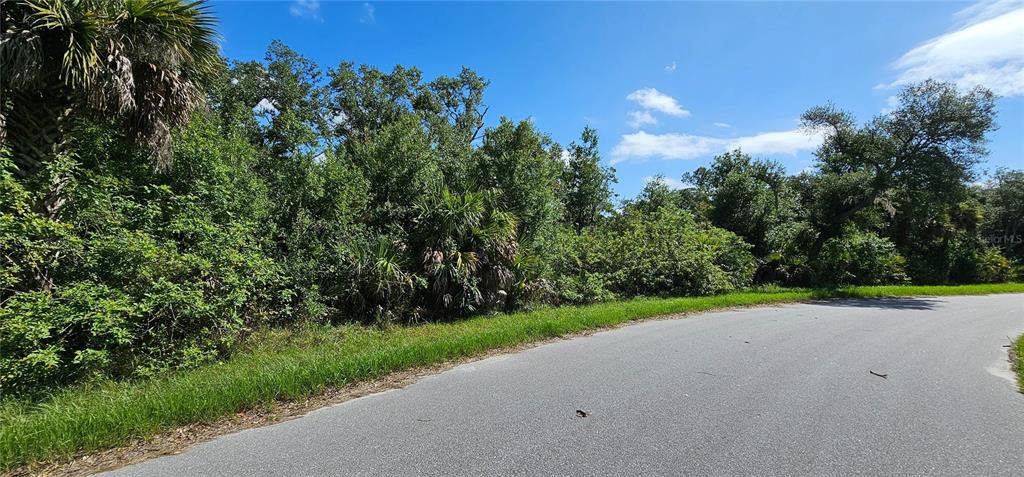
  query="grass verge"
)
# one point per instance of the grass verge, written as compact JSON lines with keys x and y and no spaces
{"x":281,"y":368}
{"x":1017,"y":360}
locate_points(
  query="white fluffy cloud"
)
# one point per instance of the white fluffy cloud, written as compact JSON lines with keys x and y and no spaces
{"x":722,"y":125}
{"x":782,"y":142}
{"x":639,"y":118}
{"x":265,"y":106}
{"x":986,"y":49}
{"x":666,"y":146}
{"x":306,"y":8}
{"x":688,"y":146}
{"x":652,"y":99}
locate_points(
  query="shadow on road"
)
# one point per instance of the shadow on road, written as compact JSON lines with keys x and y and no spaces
{"x":884,"y":303}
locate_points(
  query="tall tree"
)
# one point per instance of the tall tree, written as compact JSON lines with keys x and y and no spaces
{"x":519,"y":164}
{"x":755,"y":200}
{"x":587,"y":185}
{"x":746,"y":196}
{"x":1004,"y":212}
{"x":930,"y":142}
{"x":136,"y":62}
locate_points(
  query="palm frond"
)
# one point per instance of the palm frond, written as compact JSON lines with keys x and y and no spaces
{"x":80,"y":27}
{"x":21,"y":48}
{"x":178,"y":35}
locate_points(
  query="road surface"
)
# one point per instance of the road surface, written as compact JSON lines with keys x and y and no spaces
{"x":784,"y":390}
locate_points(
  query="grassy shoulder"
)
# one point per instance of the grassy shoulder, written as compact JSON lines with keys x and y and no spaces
{"x":1017,"y":360}
{"x":289,"y":365}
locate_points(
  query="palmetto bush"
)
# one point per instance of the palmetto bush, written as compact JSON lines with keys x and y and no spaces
{"x":467,"y":250}
{"x":381,"y":287}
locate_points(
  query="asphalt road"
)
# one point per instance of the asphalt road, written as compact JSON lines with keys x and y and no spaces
{"x":767,"y":391}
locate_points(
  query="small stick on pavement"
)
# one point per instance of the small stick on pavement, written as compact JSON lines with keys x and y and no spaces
{"x":883,"y":376}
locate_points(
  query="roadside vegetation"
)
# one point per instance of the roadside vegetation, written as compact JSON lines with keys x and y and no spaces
{"x":291,"y":364}
{"x":163,"y":209}
{"x":1017,"y":360}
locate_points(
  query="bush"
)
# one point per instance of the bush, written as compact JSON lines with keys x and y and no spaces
{"x":144,"y":271}
{"x":575,"y":281}
{"x":663,"y":252}
{"x":982,"y":264}
{"x":859,"y":258}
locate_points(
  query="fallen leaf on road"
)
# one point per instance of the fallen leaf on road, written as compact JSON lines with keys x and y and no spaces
{"x":581,"y":413}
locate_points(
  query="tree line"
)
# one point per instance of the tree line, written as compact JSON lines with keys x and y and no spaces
{"x":159,"y":202}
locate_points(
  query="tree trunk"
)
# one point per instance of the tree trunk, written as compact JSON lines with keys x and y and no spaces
{"x":34,"y":129}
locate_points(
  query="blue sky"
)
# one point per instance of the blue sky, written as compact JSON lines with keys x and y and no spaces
{"x":668,"y":85}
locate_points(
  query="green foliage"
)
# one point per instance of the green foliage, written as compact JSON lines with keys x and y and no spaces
{"x":586,"y":184}
{"x":664,"y":252}
{"x":139,"y":62}
{"x":313,"y":197}
{"x":520,"y":163}
{"x":859,"y":258}
{"x":150,"y":271}
{"x":1017,"y":360}
{"x":755,"y":200}
{"x":380,"y":286}
{"x":1003,"y":224}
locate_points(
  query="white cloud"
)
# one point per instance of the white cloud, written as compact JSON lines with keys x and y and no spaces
{"x":722,"y":125}
{"x":369,"y":14}
{"x":671,"y":67}
{"x":782,"y":142}
{"x":306,"y":8}
{"x":987,"y":49}
{"x":639,"y":118}
{"x":653,"y":99}
{"x":666,"y":146}
{"x":984,"y":10}
{"x":673,"y":184}
{"x":265,"y":106}
{"x":688,"y":146}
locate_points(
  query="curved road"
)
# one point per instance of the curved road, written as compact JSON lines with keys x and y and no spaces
{"x":765,"y":391}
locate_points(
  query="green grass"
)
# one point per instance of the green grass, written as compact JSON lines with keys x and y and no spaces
{"x":291,"y":365}
{"x":1017,"y":360}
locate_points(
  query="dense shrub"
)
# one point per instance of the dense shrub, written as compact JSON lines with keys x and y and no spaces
{"x":1003,"y":224}
{"x":859,"y":258}
{"x":145,"y":272}
{"x":663,"y":252}
{"x":981,"y":264}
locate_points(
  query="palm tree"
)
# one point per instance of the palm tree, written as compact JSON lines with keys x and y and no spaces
{"x":135,"y":63}
{"x":467,"y":249}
